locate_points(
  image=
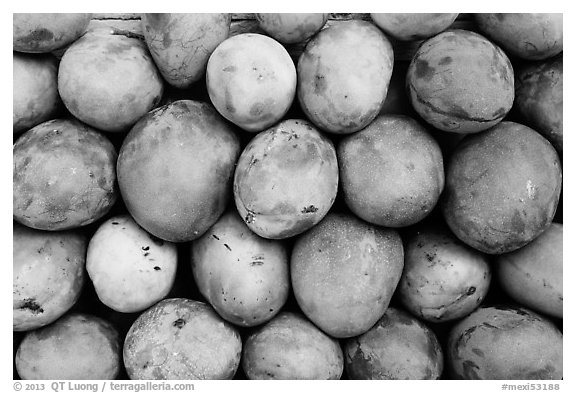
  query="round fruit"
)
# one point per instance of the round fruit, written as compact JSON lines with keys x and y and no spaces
{"x":528,"y":36}
{"x":130,"y":269}
{"x":181,"y":339}
{"x":251,"y":81}
{"x":397,"y":347}
{"x":175,"y":169}
{"x":505,"y":343}
{"x":35,"y":93}
{"x":77,"y":346}
{"x":63,"y":176}
{"x":343,"y":76}
{"x":532,"y":275}
{"x":291,"y":347}
{"x":286,"y":180}
{"x":539,"y":99}
{"x":392,"y":172}
{"x":291,"y":28}
{"x":181,"y":44}
{"x":243,"y":276}
{"x":344,"y":272}
{"x":502,"y":188}
{"x":458,"y":81}
{"x":409,"y":27}
{"x":109,"y":80}
{"x":48,"y":275}
{"x":443,"y":279}
{"x":41,"y":33}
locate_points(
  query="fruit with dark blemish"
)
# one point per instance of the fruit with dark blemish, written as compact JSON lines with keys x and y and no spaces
{"x":533,"y":275}
{"x":181,"y":339}
{"x":504,"y":343}
{"x":502,"y":188}
{"x":251,"y":81}
{"x":88,"y":80}
{"x":290,"y":28}
{"x":282,"y":190}
{"x":129,"y":272}
{"x":181,"y":44}
{"x":397,"y":347}
{"x":530,"y":36}
{"x":243,"y":276}
{"x":64,"y":176}
{"x":331,"y":286}
{"x":458,"y":81}
{"x":291,"y":347}
{"x":415,"y":26}
{"x":43,"y":33}
{"x":343,"y":76}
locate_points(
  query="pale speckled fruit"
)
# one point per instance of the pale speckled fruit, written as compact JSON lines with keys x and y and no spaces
{"x":443,"y":279}
{"x":291,"y":347}
{"x":291,"y":28}
{"x":392,"y":171}
{"x":528,"y":36}
{"x":502,"y":188}
{"x":343,"y":76}
{"x":48,"y":275}
{"x":533,"y":276}
{"x":502,"y":342}
{"x":286,"y":180}
{"x":77,"y":346}
{"x":415,"y":26}
{"x":251,"y":81}
{"x":458,"y":81}
{"x":181,"y":44}
{"x":175,"y":169}
{"x":64,"y":176}
{"x":35,"y":92}
{"x":109,"y":80}
{"x":539,"y":98}
{"x":42,"y":33}
{"x":397,"y":347}
{"x":243,"y":276}
{"x":344,"y":272}
{"x":130,"y":269}
{"x":181,"y":339}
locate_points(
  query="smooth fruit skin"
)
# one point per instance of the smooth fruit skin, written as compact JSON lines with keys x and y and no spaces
{"x":175,"y":169}
{"x":243,"y":276}
{"x":458,"y":81}
{"x":291,"y":28}
{"x":77,"y":346}
{"x":410,"y":27}
{"x":532,"y":275}
{"x":130,"y":269}
{"x":539,"y":98}
{"x":397,"y":347}
{"x":505,"y":342}
{"x":527,"y":36}
{"x":502,"y":188}
{"x":35,"y":93}
{"x":64,"y":176}
{"x":291,"y":347}
{"x":344,"y":272}
{"x":181,"y":339}
{"x":443,"y":279}
{"x":286,"y":180}
{"x":392,"y":171}
{"x":48,"y":275}
{"x":181,"y":44}
{"x":42,"y":33}
{"x":343,"y":76}
{"x":251,"y":81}
{"x":109,"y":80}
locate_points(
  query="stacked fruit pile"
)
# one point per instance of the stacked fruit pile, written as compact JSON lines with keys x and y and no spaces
{"x":193,"y":201}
